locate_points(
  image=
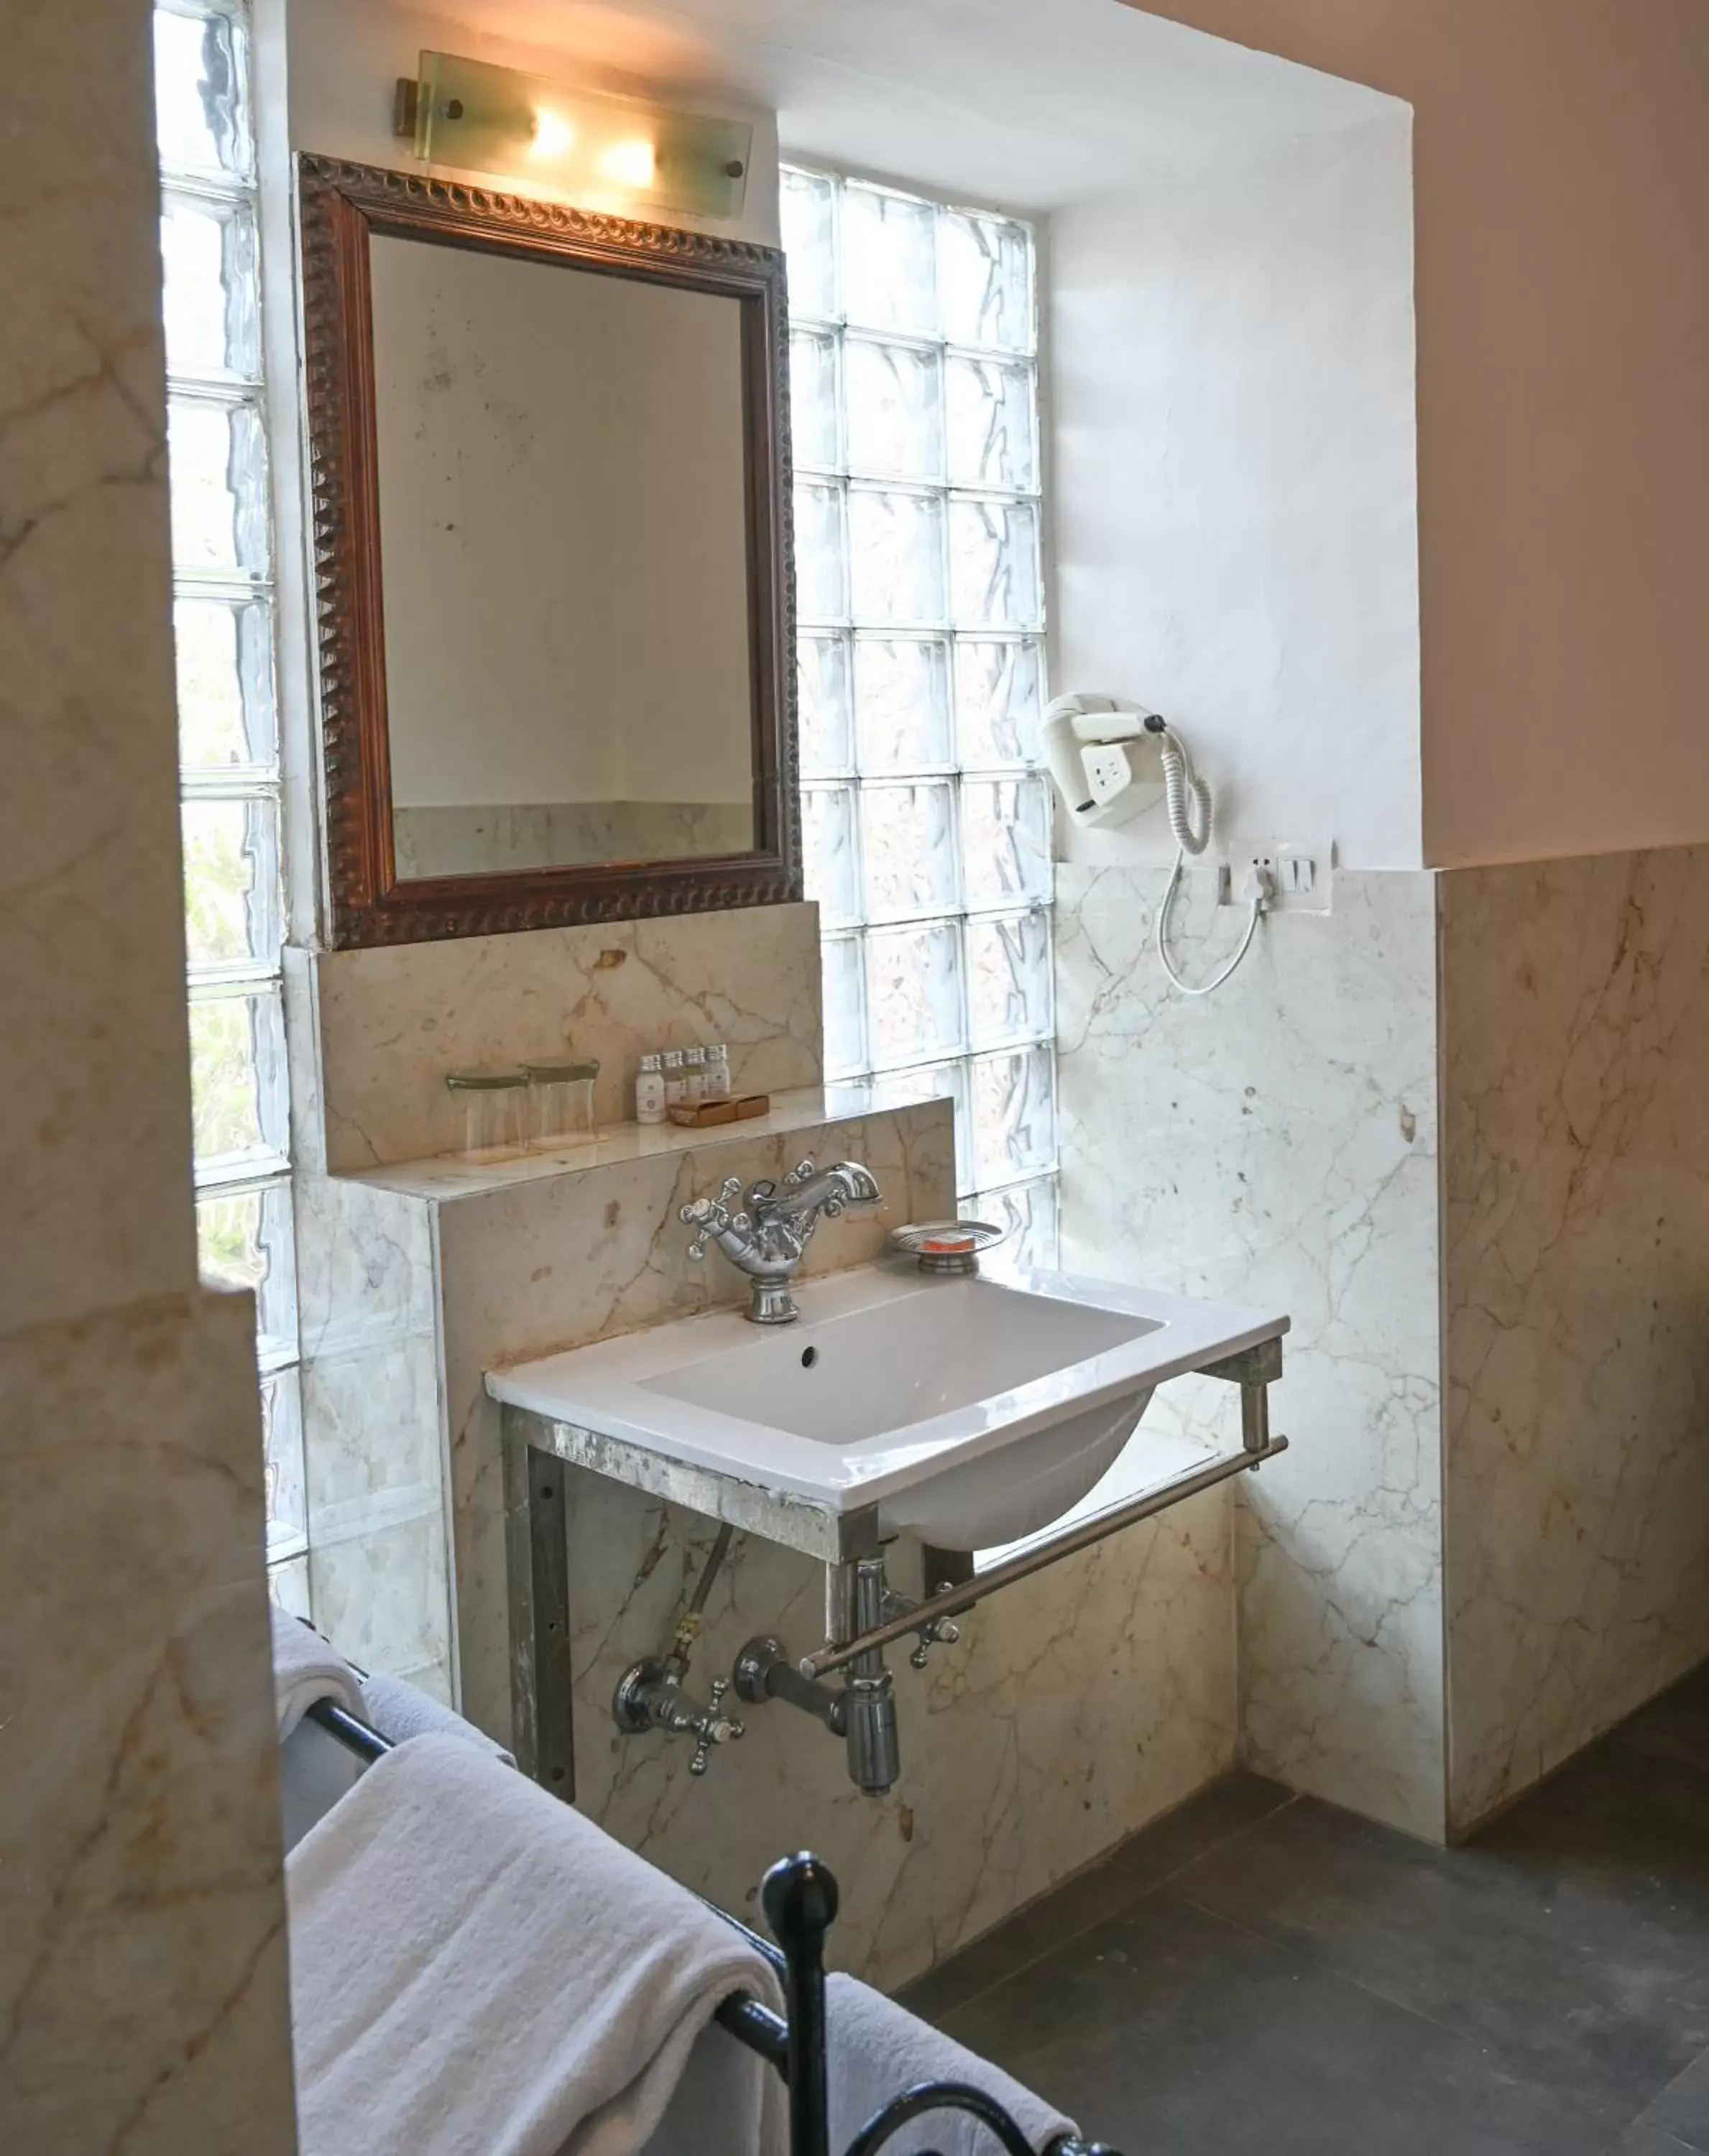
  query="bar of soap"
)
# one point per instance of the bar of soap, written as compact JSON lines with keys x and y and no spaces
{"x":702,"y":1115}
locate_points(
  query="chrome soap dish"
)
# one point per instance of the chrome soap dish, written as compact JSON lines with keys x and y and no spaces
{"x":947,"y":1246}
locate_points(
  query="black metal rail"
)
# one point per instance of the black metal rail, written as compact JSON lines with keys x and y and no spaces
{"x":799,"y":1898}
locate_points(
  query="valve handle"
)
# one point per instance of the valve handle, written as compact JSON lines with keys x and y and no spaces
{"x":710,"y":1216}
{"x":941,"y":1630}
{"x":712,"y":1729}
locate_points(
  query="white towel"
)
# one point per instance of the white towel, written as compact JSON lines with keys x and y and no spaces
{"x":477,"y":1970}
{"x":876,"y":2048}
{"x":400,"y":1710}
{"x":306,"y":1669}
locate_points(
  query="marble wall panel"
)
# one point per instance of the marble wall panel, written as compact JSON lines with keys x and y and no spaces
{"x":1575,"y":998}
{"x":1276,"y":1143}
{"x":142,"y":1969}
{"x":392,"y":1022}
{"x":93,"y":1052}
{"x":142,"y":1979}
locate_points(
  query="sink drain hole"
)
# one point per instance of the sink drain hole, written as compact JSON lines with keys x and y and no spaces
{"x":809,"y":1355}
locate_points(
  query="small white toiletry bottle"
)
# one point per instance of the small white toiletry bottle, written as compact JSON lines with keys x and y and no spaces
{"x":675,"y":1094}
{"x":715,"y":1085}
{"x":649,"y":1091}
{"x":694,"y":1075}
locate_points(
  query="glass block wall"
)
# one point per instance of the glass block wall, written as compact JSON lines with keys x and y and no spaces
{"x":919,"y":598}
{"x":228,"y":731}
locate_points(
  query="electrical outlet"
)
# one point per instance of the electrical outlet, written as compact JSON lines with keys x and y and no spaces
{"x":1301,"y":875}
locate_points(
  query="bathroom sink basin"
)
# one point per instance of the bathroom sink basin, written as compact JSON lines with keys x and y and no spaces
{"x":970,"y":1412}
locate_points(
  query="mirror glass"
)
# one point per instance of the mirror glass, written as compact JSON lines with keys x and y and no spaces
{"x":564,"y":564}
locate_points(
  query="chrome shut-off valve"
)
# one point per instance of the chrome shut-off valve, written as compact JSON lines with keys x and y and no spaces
{"x":649,"y":1695}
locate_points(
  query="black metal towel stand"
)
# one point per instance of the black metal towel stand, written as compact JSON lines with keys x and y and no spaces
{"x":799,"y":1898}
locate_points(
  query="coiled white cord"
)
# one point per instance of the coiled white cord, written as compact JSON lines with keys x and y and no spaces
{"x":1187,"y":801}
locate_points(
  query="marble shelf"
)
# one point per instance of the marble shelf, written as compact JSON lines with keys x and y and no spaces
{"x":447,"y":1177}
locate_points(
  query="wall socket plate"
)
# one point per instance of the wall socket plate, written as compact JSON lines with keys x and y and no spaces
{"x":1301,"y":872}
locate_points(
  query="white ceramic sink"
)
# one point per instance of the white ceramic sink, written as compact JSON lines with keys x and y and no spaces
{"x":970,"y":1412}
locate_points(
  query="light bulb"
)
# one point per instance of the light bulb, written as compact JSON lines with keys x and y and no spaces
{"x":553,"y":133}
{"x":632,"y":163}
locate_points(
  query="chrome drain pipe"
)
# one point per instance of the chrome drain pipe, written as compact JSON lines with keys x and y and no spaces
{"x":874,"y":1743}
{"x":862,"y":1710}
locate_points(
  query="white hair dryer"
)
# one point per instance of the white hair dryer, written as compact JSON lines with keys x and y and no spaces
{"x":1110,"y":760}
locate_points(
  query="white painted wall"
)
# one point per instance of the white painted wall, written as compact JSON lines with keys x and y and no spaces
{"x":563,"y":536}
{"x":1563,"y":182}
{"x":1233,"y":491}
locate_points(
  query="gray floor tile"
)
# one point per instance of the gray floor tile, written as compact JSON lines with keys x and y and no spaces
{"x":1675,"y":1724}
{"x":1681,"y":2110}
{"x":1074,"y":1907}
{"x":1580,"y":1980}
{"x":1227,"y":1807}
{"x":1626,"y":1825}
{"x":1168,"y":2030}
{"x":1648,"y":2141}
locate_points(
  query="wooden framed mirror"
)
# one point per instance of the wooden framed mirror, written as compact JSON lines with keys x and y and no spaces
{"x":549,"y":477}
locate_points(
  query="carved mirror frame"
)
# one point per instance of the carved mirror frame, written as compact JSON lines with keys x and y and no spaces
{"x":341,"y":207}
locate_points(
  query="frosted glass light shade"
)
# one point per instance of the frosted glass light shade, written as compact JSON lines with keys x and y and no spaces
{"x":614,"y":153}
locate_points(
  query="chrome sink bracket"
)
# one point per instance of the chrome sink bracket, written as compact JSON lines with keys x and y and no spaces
{"x":538,"y":1454}
{"x":1253,"y":1370}
{"x":837,"y":1655}
{"x":537,"y":1539}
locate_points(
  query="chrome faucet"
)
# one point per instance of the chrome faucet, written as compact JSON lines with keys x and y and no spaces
{"x":767,"y":1240}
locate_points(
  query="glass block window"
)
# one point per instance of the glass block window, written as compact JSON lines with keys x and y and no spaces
{"x":919,"y":596}
{"x":228,"y":727}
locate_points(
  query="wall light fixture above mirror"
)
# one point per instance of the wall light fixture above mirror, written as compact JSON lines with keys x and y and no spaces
{"x":549,"y":477}
{"x":488,"y":119}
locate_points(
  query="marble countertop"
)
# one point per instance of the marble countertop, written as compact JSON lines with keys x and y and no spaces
{"x":450,"y":1176}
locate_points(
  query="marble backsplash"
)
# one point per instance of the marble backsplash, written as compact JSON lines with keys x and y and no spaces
{"x":389,"y":1023}
{"x":1575,"y":1016}
{"x":1276,"y":1143}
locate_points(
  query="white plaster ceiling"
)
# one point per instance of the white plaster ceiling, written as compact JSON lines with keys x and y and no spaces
{"x":1032,"y":103}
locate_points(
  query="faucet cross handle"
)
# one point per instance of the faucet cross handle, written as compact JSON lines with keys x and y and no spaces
{"x":712,"y":1728}
{"x":802,"y":1171}
{"x":710,"y":1215}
